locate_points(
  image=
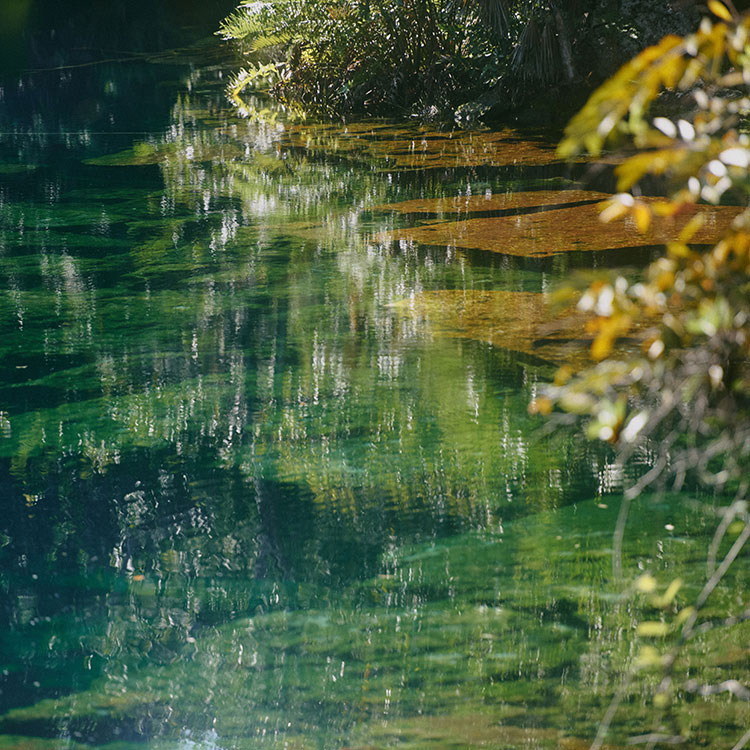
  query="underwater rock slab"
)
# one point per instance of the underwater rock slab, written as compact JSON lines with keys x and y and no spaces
{"x":492,"y":202}
{"x":406,"y":148}
{"x":475,"y":730}
{"x":561,"y":230}
{"x":521,"y":321}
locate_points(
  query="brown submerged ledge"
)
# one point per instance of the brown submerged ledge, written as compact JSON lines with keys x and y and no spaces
{"x":524,"y":322}
{"x":492,"y":202}
{"x":557,"y":230}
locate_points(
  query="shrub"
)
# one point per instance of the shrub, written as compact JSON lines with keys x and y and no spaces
{"x":336,"y":57}
{"x":446,"y":59}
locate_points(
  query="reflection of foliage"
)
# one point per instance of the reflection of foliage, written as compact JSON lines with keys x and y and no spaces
{"x":267,"y":338}
{"x":220,"y":420}
{"x":686,"y":398}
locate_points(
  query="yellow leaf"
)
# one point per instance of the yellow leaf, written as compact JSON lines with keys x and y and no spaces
{"x":612,"y":210}
{"x":671,"y":69}
{"x":683,"y":615}
{"x":642,"y":217}
{"x":649,"y":162}
{"x":653,"y":629}
{"x":568,"y":148}
{"x":664,"y":280}
{"x":645,"y":583}
{"x":602,"y":346}
{"x":648,"y":657}
{"x":668,"y":596}
{"x":692,"y":227}
{"x":563,"y":375}
{"x":631,"y":170}
{"x":576,"y":403}
{"x":678,"y":249}
{"x":540,"y":405}
{"x":666,"y":208}
{"x":661,"y":700}
{"x":720,"y":10}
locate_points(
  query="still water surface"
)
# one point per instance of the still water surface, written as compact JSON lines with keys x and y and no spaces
{"x":268,"y":476}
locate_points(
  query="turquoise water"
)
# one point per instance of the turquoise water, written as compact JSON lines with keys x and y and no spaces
{"x":267,"y":470}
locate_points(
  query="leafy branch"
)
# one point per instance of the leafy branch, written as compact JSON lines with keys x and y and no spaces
{"x":681,"y":408}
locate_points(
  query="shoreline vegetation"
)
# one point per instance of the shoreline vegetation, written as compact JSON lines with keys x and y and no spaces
{"x":684,"y":396}
{"x":444,"y":61}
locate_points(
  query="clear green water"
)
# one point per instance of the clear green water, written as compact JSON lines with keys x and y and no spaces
{"x":247,"y":500}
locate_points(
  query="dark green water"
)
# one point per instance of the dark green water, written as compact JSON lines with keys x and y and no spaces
{"x":248,"y":500}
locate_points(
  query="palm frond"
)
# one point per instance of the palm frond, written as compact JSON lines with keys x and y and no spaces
{"x":263,"y":42}
{"x":537,"y":55}
{"x":496,"y":14}
{"x":245,"y":21}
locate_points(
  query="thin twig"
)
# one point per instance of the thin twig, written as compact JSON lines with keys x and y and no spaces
{"x":614,"y":704}
{"x":731,"y":556}
{"x":735,"y":687}
{"x":711,"y":584}
{"x":85,"y":64}
{"x":725,"y":623}
{"x":742,"y":741}
{"x":654,"y":737}
{"x":730,"y":513}
{"x":622,"y":520}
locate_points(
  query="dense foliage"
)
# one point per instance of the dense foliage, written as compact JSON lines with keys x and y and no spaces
{"x":370,"y":56}
{"x":682,"y":407}
{"x":435,"y":58}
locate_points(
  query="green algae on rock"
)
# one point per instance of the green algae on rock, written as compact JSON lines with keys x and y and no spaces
{"x":10,"y":169}
{"x":460,"y":623}
{"x":145,"y":154}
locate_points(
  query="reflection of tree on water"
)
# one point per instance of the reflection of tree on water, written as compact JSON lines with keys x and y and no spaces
{"x":227,"y":286}
{"x":218,"y":414}
{"x":73,"y":78}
